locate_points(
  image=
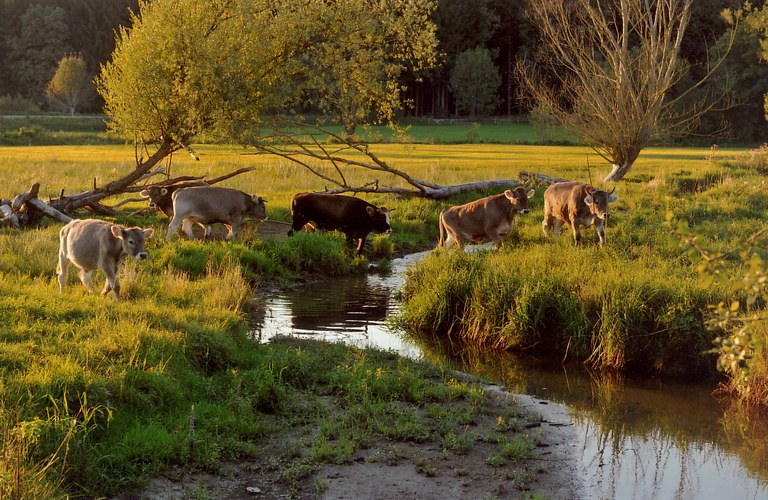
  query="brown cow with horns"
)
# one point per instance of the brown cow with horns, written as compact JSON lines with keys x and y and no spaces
{"x":578,"y":204}
{"x":487,"y":218}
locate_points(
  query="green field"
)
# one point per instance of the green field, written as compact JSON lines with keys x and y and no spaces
{"x":113,"y":383}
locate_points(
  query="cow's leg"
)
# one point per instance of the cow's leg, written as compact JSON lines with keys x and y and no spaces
{"x":62,"y":268}
{"x":112,"y":284}
{"x":298,"y":222}
{"x":360,"y":245}
{"x":187,"y":228}
{"x":546,"y":225}
{"x":600,"y":230}
{"x":87,"y":278}
{"x":234,"y":229}
{"x":576,"y":231}
{"x":173,"y":227}
{"x":558,"y":226}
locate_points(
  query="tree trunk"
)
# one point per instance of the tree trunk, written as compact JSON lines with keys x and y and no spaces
{"x":618,"y":172}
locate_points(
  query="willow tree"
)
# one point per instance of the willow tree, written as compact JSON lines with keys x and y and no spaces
{"x":237,"y":68}
{"x":607,"y":73}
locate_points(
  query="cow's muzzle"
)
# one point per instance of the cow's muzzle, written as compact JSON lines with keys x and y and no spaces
{"x":525,"y":211}
{"x":142,"y":255}
{"x":152,"y":204}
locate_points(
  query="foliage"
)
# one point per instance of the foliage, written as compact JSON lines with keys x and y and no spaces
{"x":740,"y":320}
{"x":475,"y":82}
{"x":353,"y":72}
{"x":70,"y":84}
{"x":189,"y":67}
{"x":41,"y":43}
{"x":756,"y":22}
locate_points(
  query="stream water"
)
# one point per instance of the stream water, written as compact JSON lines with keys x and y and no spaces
{"x":636,"y":438}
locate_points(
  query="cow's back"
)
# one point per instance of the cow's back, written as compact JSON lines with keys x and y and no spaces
{"x":565,"y":200}
{"x":87,"y":242}
{"x":328,"y":211}
{"x":207,"y":203}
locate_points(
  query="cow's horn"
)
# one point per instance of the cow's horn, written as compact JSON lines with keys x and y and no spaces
{"x":612,"y":190}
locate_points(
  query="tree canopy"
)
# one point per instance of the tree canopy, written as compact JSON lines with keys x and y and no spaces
{"x":475,"y":82}
{"x":70,"y":84}
{"x":189,"y":66}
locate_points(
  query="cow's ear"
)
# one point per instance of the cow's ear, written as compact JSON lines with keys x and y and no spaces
{"x":588,"y":199}
{"x":148,"y":232}
{"x":163,"y":192}
{"x":509,"y":194}
{"x":530,"y":193}
{"x":613,"y":198}
{"x":117,"y":231}
{"x":371,"y":211}
{"x":144,"y":193}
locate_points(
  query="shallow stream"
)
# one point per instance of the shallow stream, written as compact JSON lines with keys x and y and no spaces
{"x":636,"y":438}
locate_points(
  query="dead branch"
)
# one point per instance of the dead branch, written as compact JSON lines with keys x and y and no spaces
{"x":537,"y":178}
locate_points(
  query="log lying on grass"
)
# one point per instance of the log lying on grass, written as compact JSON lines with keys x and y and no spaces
{"x":538,"y":178}
{"x":28,"y":210}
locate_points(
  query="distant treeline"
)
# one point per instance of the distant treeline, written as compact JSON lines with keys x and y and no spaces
{"x":36,"y":34}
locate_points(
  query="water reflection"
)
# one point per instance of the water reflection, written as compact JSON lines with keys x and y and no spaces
{"x":350,"y":310}
{"x":642,"y":438}
{"x":635,"y":439}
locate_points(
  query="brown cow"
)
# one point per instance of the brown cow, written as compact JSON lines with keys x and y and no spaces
{"x":487,"y":218}
{"x":160,"y":196}
{"x":92,"y":244}
{"x":352,"y":216}
{"x":578,"y":204}
{"x":209,"y":205}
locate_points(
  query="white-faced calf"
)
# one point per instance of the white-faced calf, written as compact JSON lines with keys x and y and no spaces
{"x":92,"y":244}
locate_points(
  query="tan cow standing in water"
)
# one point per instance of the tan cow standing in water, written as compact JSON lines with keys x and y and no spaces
{"x":578,"y":204}
{"x":92,"y":244}
{"x":487,"y":218}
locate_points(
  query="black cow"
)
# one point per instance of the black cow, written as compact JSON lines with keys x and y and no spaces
{"x":354,"y":217}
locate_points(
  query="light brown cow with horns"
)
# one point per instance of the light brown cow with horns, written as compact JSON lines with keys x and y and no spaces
{"x":578,"y":204}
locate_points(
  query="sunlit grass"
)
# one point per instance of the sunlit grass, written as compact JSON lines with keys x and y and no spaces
{"x":180,"y":337}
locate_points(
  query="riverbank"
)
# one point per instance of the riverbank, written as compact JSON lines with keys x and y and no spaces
{"x":513,"y":446}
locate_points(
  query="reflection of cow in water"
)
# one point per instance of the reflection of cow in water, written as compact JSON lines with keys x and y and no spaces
{"x":347,"y":304}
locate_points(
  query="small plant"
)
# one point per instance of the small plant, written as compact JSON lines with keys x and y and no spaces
{"x":496,"y":461}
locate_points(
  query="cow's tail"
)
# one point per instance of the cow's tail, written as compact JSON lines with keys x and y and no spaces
{"x":293,"y":215}
{"x":441,"y":229}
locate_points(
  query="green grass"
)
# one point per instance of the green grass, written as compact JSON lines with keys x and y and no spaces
{"x":95,"y":394}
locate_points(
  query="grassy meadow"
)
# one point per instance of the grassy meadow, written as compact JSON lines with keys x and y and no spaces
{"x":95,"y":394}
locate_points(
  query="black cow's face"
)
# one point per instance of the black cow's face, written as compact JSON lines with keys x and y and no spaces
{"x":518,"y":197}
{"x":379,"y":219}
{"x":598,"y":202}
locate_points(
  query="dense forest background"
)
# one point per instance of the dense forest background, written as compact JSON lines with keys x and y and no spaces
{"x":35,"y":36}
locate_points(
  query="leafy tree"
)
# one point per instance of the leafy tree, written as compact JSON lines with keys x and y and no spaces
{"x":70,"y":84}
{"x":354,"y":70}
{"x":614,"y":64}
{"x":756,"y":23}
{"x":38,"y":48}
{"x":475,"y":82}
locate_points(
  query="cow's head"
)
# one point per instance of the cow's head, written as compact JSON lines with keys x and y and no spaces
{"x":518,"y":198}
{"x":379,"y":219}
{"x":598,"y":201}
{"x":258,"y":208}
{"x":132,"y":240}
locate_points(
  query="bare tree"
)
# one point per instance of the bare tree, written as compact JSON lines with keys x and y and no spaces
{"x":612,"y":65}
